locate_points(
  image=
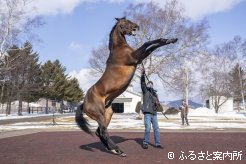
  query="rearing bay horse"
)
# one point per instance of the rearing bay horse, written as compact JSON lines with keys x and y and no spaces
{"x":120,"y":68}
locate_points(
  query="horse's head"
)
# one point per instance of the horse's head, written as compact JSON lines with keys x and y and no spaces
{"x":126,"y":27}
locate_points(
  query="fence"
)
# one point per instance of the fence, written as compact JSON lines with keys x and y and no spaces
{"x":30,"y":110}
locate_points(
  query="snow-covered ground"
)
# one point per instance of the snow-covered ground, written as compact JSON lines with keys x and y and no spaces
{"x":199,"y":119}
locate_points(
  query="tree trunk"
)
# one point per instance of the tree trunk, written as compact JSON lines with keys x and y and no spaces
{"x":8,"y":100}
{"x":238,"y":106}
{"x":215,"y":103}
{"x":1,"y":97}
{"x":61,"y":107}
{"x":28,"y":108}
{"x":216,"y":107}
{"x":243,"y":101}
{"x":241,"y":85}
{"x":187,"y":86}
{"x":46,"y":108}
{"x":20,"y":108}
{"x":8,"y":108}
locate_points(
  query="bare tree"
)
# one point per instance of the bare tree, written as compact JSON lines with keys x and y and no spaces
{"x":238,"y":84}
{"x":16,"y":24}
{"x":169,"y":61}
{"x":222,"y":60}
{"x":215,"y":78}
{"x":235,"y":50}
{"x":15,"y":20}
{"x":98,"y":59}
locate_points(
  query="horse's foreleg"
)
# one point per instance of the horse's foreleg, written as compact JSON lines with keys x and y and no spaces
{"x":147,"y":48}
{"x":153,"y":47}
{"x":143,"y":48}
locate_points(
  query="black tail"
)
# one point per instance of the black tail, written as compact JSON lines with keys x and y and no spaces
{"x":81,"y":121}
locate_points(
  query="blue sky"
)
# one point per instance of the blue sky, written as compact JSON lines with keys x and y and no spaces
{"x":70,"y":37}
{"x":74,"y":27}
{"x":225,"y":25}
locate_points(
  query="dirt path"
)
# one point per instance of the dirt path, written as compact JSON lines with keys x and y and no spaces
{"x":77,"y":147}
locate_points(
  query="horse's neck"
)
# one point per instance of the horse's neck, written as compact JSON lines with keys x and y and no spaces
{"x":116,"y":39}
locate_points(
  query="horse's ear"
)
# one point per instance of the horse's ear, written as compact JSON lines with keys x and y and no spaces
{"x":118,"y":19}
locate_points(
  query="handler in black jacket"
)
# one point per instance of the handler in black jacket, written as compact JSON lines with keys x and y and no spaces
{"x":150,"y":103}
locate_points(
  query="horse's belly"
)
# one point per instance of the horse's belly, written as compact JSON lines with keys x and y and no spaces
{"x":119,"y":86}
{"x":114,"y":81}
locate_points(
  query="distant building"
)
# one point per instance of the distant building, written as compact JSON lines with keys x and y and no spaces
{"x":36,"y":107}
{"x":127,"y":101}
{"x":52,"y":104}
{"x":227,"y":105}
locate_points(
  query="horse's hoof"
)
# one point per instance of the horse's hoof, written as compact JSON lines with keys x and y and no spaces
{"x":118,"y":152}
{"x":169,"y":41}
{"x":115,"y":152}
{"x":175,"y":40}
{"x":122,"y":154}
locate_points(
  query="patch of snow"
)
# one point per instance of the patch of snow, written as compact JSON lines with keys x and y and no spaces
{"x":199,"y":119}
{"x":201,"y":112}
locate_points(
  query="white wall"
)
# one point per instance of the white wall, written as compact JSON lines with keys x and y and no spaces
{"x":133,"y":97}
{"x":130,"y":107}
{"x":226,"y":107}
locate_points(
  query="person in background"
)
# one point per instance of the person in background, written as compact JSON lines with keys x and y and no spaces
{"x":184,"y":113}
{"x":150,"y":103}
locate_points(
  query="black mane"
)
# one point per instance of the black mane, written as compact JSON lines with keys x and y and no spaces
{"x":111,"y":37}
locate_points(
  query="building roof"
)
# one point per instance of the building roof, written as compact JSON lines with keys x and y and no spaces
{"x":130,"y":91}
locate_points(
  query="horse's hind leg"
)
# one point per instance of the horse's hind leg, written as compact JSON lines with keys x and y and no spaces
{"x":108,"y":115}
{"x":102,"y":133}
{"x":98,"y":133}
{"x":108,"y":143}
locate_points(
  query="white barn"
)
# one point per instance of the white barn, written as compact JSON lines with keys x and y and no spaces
{"x":127,"y":101}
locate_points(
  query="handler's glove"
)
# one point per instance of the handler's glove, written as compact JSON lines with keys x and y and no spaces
{"x":142,"y":71}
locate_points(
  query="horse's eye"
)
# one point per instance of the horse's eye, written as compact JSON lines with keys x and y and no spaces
{"x":122,"y":27}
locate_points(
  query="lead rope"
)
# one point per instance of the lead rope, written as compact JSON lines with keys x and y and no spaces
{"x":148,"y":81}
{"x":144,"y":70}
